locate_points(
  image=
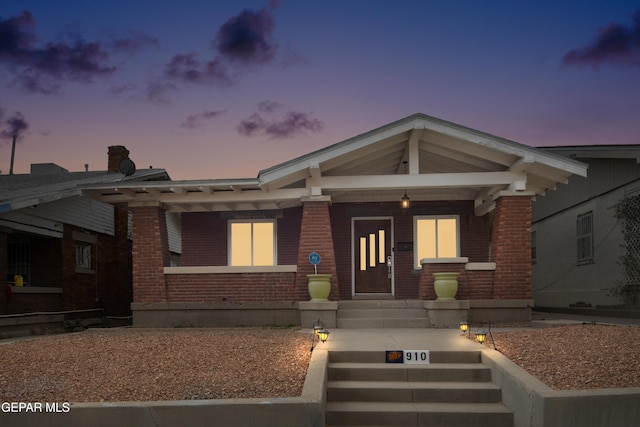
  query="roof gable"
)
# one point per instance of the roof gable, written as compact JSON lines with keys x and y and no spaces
{"x":427,"y":145}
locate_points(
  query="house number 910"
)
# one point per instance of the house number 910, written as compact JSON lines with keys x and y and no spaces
{"x":416,"y":356}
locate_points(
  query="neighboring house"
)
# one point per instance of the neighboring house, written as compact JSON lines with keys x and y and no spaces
{"x":71,"y":252}
{"x":246,"y":242}
{"x":577,"y":236}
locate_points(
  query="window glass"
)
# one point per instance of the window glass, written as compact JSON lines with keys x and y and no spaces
{"x":252,"y":243}
{"x":435,"y":237}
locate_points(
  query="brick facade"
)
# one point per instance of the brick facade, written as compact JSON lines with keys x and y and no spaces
{"x":316,"y":236}
{"x":511,"y":247}
{"x":150,"y":254}
{"x":326,"y":229}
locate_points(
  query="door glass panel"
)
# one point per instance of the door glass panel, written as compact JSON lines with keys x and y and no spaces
{"x":363,"y":253}
{"x":372,"y":250}
{"x":381,"y":252}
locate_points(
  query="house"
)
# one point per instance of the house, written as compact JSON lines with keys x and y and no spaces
{"x":246,"y":243}
{"x":61,"y":251}
{"x":578,"y":241}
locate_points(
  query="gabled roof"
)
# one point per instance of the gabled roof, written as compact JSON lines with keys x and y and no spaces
{"x":25,"y":190}
{"x":432,"y":159}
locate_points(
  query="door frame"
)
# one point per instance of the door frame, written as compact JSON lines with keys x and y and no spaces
{"x":353,"y":254}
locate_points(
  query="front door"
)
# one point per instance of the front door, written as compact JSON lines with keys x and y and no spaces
{"x":372,"y":257}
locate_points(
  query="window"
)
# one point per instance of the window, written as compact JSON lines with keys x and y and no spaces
{"x":584,"y":234}
{"x":85,"y":246}
{"x":252,"y":243}
{"x":436,"y":237}
{"x":18,"y":259}
{"x":83,"y":256}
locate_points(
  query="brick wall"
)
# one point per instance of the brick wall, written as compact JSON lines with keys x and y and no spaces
{"x":472,"y":284}
{"x":205,"y":238}
{"x":150,"y":254}
{"x":232,"y":287}
{"x":316,"y":236}
{"x":511,"y":247}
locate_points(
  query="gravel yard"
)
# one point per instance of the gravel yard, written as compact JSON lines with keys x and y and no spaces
{"x":177,"y":364}
{"x":173,"y":364}
{"x":575,"y":357}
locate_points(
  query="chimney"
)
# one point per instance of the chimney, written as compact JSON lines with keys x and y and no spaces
{"x":116,"y":154}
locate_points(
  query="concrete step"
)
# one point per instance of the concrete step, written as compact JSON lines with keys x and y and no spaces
{"x":457,"y":372}
{"x":359,"y":313}
{"x":379,"y":304}
{"x":382,"y":323}
{"x":403,"y":391}
{"x":418,"y":414}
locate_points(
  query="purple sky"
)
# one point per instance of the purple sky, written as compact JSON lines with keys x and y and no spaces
{"x":222,"y":89}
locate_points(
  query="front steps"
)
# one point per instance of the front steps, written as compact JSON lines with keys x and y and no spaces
{"x":358,"y":314}
{"x":455,"y":389}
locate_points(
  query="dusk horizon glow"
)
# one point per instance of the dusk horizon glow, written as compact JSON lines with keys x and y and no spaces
{"x":225,"y":89}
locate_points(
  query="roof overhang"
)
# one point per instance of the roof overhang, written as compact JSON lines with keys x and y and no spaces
{"x":430,"y":158}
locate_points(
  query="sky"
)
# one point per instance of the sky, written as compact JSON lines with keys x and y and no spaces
{"x":223,"y":89}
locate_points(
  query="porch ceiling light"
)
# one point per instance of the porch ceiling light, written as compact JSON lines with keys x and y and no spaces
{"x":405,"y":202}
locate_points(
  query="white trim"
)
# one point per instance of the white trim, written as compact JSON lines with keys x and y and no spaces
{"x":480,"y":266}
{"x":224,"y":269}
{"x":457,"y":260}
{"x":353,"y":253}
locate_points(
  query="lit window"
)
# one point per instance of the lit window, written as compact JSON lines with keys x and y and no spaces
{"x":435,"y":237}
{"x":252,"y":243}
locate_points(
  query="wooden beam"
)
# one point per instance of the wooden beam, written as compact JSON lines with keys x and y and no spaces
{"x":414,"y":152}
{"x":434,"y":180}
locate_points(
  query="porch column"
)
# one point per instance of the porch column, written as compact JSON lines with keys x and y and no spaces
{"x":316,"y":236}
{"x":511,"y":247}
{"x":150,"y":254}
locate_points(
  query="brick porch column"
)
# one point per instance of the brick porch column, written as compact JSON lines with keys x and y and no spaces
{"x":150,"y":254}
{"x":511,"y":247}
{"x":316,"y":236}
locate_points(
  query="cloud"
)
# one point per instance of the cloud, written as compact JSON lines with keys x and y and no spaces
{"x":290,"y":124}
{"x":47,"y":67}
{"x":243,"y":41}
{"x":196,"y":120}
{"x":16,"y":124}
{"x":247,"y":38}
{"x":614,"y":44}
{"x":188,"y":68}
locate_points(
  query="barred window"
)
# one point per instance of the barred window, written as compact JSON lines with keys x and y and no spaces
{"x":584,"y":234}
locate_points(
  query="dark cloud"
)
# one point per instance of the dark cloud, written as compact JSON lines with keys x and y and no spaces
{"x":155,"y":92}
{"x":290,"y":124}
{"x":16,"y":124}
{"x":614,"y":44}
{"x":243,"y":41}
{"x":134,"y":42}
{"x":188,"y":68}
{"x":247,"y":38}
{"x":197,"y":120}
{"x":45,"y":68}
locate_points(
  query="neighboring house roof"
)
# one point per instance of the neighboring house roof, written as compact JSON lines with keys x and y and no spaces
{"x":431,"y":158}
{"x":29,"y":190}
{"x":610,"y":167}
